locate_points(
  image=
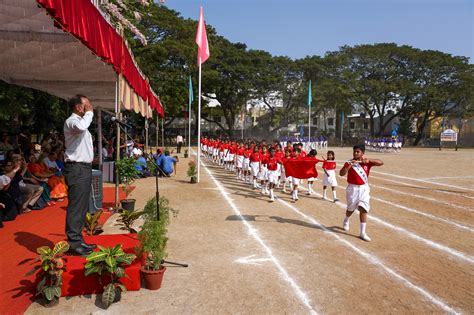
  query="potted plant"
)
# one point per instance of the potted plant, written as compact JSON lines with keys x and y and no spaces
{"x":91,"y":224}
{"x":109,"y":263}
{"x":52,"y":267}
{"x":192,"y":171}
{"x":153,"y":241}
{"x":127,"y":174}
{"x":127,"y":218}
{"x":186,"y":153}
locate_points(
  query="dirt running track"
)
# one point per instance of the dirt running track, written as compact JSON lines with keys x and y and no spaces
{"x":250,"y":256}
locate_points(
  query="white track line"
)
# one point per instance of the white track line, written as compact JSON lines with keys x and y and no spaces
{"x":457,"y":194}
{"x":448,"y":250}
{"x":433,"y":217}
{"x":423,"y":197}
{"x":377,"y":262}
{"x":423,"y":181}
{"x":449,"y":177}
{"x":253,"y":232}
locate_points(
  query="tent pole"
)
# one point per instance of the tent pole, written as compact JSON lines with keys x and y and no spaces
{"x":157,"y":131}
{"x":117,"y":149}
{"x":163,"y":132}
{"x":146,"y":135}
{"x":99,"y":135}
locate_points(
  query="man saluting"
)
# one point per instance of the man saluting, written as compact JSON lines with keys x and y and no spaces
{"x":78,"y":172}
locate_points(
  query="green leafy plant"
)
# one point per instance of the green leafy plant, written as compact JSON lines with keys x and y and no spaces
{"x":127,"y":173}
{"x":127,"y":218}
{"x":192,"y":170}
{"x":109,"y":262}
{"x":52,"y":268}
{"x":152,"y":236}
{"x":91,"y":224}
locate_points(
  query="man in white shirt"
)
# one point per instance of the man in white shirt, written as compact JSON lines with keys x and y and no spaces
{"x":179,"y":142}
{"x":78,"y":172}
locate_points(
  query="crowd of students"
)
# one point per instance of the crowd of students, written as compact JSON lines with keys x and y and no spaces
{"x":269,"y":167}
{"x":384,"y":144}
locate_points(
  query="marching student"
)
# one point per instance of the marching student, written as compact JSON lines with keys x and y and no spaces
{"x":255,"y":158}
{"x":358,"y":191}
{"x":262,"y":174}
{"x":295,"y":181}
{"x":329,"y":178}
{"x":246,"y":163}
{"x":279,"y":154}
{"x":312,"y":155}
{"x":239,"y":160}
{"x":272,"y":173}
{"x":283,"y":173}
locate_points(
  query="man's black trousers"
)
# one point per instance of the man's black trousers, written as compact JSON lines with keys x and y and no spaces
{"x":78,"y":179}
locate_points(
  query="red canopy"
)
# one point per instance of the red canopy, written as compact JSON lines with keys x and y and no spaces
{"x":81,"y":19}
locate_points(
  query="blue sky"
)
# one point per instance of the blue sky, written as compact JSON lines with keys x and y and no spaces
{"x":297,"y":28}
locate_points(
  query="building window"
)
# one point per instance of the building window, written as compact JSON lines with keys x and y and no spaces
{"x":366,"y":125}
{"x":331,"y":121}
{"x":352,"y":125}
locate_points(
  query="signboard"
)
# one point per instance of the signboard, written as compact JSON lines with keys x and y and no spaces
{"x":449,"y":135}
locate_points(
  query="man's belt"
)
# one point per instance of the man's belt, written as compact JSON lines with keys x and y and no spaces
{"x":80,"y":163}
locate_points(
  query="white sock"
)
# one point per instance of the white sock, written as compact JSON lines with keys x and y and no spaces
{"x":346,"y":219}
{"x":334,"y":194}
{"x":362,"y":228}
{"x":296,"y":193}
{"x":310,"y":188}
{"x":324,"y":193}
{"x":271,"y":193}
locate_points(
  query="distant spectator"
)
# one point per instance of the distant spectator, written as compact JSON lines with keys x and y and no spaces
{"x":105,"y":152}
{"x":140,"y":163}
{"x":8,"y":207}
{"x":179,"y":143}
{"x":6,"y":145}
{"x":167,"y":164}
{"x":24,"y":141}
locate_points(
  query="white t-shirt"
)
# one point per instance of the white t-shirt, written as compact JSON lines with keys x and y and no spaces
{"x":79,"y":147}
{"x":179,"y":139}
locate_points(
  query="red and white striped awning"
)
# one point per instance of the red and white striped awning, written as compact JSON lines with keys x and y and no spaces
{"x":66,"y":47}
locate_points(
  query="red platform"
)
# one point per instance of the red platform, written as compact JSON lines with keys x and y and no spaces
{"x":76,"y":283}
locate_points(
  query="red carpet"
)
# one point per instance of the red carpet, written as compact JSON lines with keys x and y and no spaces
{"x":18,"y":242}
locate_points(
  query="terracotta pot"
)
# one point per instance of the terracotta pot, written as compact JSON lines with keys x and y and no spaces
{"x":128,"y":204}
{"x":153,"y":278}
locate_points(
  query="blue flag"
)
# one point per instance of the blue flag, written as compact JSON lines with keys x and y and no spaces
{"x":310,"y":94}
{"x":191,"y":97}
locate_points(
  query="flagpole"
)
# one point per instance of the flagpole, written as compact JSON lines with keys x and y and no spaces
{"x":189,"y":127}
{"x":342,"y":125}
{"x":199,"y":126}
{"x":309,"y":126}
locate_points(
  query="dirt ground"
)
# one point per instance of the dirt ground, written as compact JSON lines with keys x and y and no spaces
{"x":250,"y":256}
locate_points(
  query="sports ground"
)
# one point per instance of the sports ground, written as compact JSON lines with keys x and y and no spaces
{"x":250,"y":256}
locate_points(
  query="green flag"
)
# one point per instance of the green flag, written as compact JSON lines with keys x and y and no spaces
{"x":191,"y":97}
{"x":310,"y":94}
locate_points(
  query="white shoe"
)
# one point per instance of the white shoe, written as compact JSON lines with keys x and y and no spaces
{"x":283,"y":190}
{"x":345,"y":225}
{"x":365,"y":237}
{"x":272,"y":199}
{"x":336,"y":200}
